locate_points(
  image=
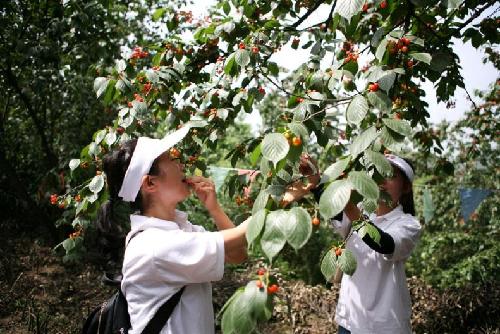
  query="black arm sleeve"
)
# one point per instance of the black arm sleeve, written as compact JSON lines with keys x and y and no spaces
{"x":386,"y":242}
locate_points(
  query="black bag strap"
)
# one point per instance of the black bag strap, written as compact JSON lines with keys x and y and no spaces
{"x":162,"y":315}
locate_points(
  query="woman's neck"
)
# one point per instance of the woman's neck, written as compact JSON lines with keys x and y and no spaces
{"x":165,"y":212}
{"x":383,"y":208}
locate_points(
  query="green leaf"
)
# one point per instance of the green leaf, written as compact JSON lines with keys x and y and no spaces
{"x":298,"y":228}
{"x":298,"y":129}
{"x":379,"y":54}
{"x":400,"y":126}
{"x":424,"y":57}
{"x":226,"y":7}
{"x":390,"y":139}
{"x":99,"y":136}
{"x":452,"y":4}
{"x":228,"y":67}
{"x":121,"y":86}
{"x":349,"y":8}
{"x":370,"y":205}
{"x":96,"y":184}
{"x":100,"y":85}
{"x":334,"y":198}
{"x":329,"y":265}
{"x":158,"y":14}
{"x":275,"y":147}
{"x":255,"y":226}
{"x":381,"y":164}
{"x":387,"y":81}
{"x":357,"y":109}
{"x":362,"y":142}
{"x":364,"y":184}
{"x":429,"y":207}
{"x":110,"y":138}
{"x":273,"y":68}
{"x":258,"y":301}
{"x":371,"y":230}
{"x":242,"y":57}
{"x":380,"y":101}
{"x":236,"y":319}
{"x":440,"y":61}
{"x":335,"y":170}
{"x":273,"y":239}
{"x":254,"y":157}
{"x":347,"y":262}
{"x":68,"y":244}
{"x":73,"y":164}
{"x":260,"y":202}
{"x":153,"y":76}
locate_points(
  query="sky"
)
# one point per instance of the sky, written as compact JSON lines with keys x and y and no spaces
{"x":476,"y":74}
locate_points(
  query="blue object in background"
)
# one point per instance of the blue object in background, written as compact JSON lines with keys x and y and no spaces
{"x":470,"y":198}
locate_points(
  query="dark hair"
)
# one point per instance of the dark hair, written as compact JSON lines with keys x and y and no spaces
{"x":406,"y":199}
{"x":112,"y":220}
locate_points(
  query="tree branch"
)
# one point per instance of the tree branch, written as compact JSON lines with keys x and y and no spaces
{"x":49,"y":155}
{"x":307,"y":14}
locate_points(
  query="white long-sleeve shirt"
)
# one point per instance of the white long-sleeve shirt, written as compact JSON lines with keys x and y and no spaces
{"x":375,"y":299}
{"x":163,"y":258}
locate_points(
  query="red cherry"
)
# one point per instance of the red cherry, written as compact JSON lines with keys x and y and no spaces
{"x":53,"y":199}
{"x":365,"y":7}
{"x":316,"y":221}
{"x":296,"y":141}
{"x":338,"y":251}
{"x":242,"y":45}
{"x":261,"y":272}
{"x":404,"y":49}
{"x":373,"y":87}
{"x":272,"y":289}
{"x":383,"y":4}
{"x":255,"y":50}
{"x":262,"y":90}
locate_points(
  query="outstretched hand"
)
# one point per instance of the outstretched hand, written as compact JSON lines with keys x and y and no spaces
{"x":309,"y":168}
{"x":204,"y":189}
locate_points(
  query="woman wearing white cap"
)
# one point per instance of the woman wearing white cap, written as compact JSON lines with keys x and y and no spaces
{"x":375,"y":299}
{"x":166,"y":255}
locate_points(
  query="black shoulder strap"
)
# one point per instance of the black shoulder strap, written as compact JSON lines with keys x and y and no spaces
{"x":163,"y":314}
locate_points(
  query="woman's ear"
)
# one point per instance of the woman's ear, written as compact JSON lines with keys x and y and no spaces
{"x":148,"y":184}
{"x":407,"y":187}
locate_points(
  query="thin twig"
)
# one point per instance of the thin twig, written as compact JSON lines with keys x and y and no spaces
{"x":307,"y":14}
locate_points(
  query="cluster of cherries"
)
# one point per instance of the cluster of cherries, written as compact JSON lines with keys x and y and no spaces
{"x":138,"y":53}
{"x":272,"y":288}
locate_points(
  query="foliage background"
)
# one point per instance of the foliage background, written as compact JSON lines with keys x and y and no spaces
{"x":51,"y":53}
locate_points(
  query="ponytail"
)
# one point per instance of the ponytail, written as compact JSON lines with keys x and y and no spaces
{"x":406,"y":200}
{"x":113,"y":222}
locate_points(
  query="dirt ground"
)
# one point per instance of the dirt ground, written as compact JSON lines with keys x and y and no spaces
{"x":39,"y":294}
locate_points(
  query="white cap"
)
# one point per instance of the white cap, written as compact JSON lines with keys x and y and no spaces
{"x":145,"y":153}
{"x":402,"y":165}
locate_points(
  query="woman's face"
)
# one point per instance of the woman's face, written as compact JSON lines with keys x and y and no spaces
{"x":171,"y":185}
{"x":395,"y":186}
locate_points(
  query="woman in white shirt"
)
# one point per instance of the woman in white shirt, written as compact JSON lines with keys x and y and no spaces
{"x":165,"y":252}
{"x":376,"y":299}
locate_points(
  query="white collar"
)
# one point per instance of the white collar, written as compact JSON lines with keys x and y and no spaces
{"x":393,"y":214}
{"x":139,"y":222}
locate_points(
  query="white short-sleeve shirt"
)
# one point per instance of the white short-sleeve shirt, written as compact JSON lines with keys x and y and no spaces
{"x":163,"y":258}
{"x":375,"y":299}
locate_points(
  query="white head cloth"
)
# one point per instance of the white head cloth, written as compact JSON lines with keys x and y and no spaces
{"x":402,"y":165}
{"x":146,"y":151}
